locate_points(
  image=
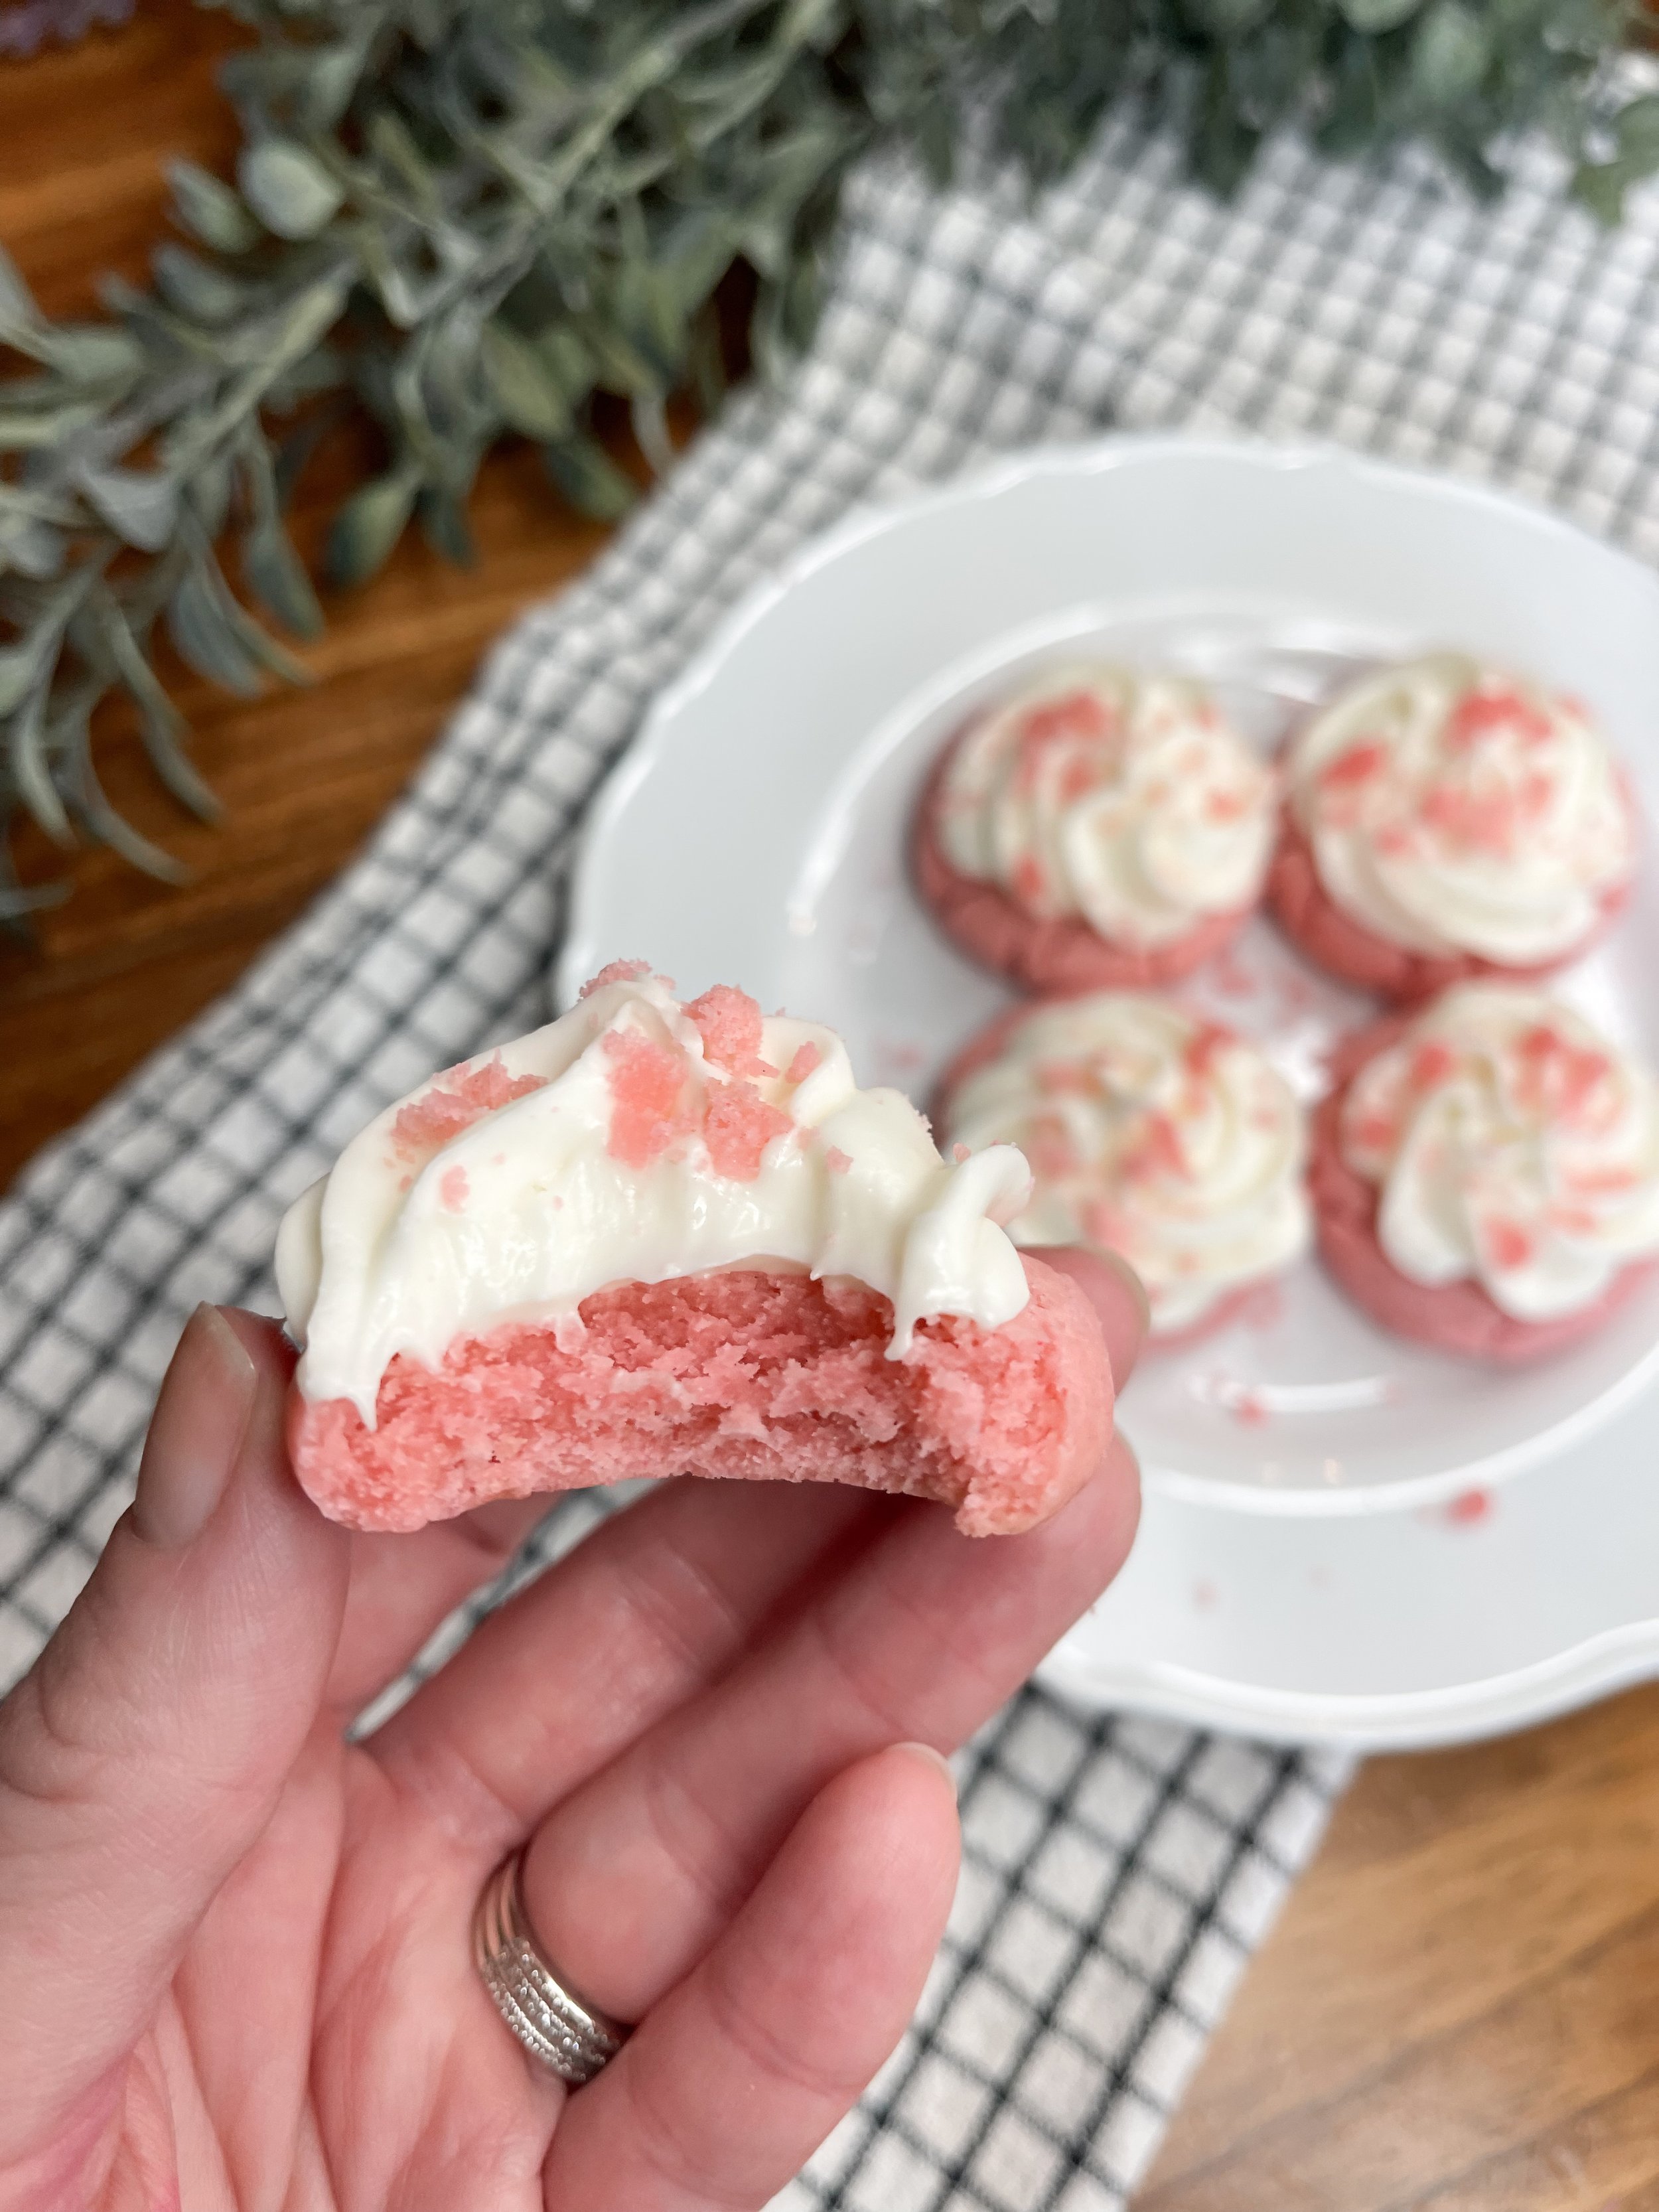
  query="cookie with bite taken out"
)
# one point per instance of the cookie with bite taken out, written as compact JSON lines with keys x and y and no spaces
{"x":655,"y":1237}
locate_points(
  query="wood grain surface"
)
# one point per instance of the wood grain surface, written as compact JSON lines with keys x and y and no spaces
{"x":1459,"y":2007}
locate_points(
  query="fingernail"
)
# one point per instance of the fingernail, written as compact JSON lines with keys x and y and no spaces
{"x":200,"y":1420}
{"x":934,"y":1758}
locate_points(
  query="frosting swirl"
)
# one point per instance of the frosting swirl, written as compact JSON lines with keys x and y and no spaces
{"x":635,"y":1140}
{"x":1512,"y":1144}
{"x":1124,"y":798}
{"x":1153,"y":1133}
{"x":1454,"y":810}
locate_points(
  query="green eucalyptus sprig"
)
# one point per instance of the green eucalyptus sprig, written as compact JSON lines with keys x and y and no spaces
{"x":467,"y":217}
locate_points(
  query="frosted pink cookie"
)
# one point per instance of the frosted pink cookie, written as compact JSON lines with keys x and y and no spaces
{"x":1592,"y":1212}
{"x":1152,"y":1132}
{"x":1442,"y":821}
{"x":1100,"y":829}
{"x":655,"y":1239}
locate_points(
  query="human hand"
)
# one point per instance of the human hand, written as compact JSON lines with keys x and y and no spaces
{"x":236,"y":1947}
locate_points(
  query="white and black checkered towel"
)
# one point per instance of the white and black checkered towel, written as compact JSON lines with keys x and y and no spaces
{"x":1118,"y":1871}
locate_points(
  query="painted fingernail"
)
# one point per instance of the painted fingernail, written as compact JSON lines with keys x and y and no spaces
{"x":200,"y":1420}
{"x":934,"y":1758}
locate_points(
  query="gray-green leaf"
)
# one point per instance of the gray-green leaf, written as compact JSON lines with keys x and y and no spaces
{"x":276,"y":577}
{"x":210,"y":210}
{"x":526,"y":387}
{"x":29,"y":547}
{"x":368,"y":526}
{"x":17,"y":309}
{"x":93,"y":353}
{"x":1450,"y":49}
{"x":198,"y":627}
{"x":288,"y":189}
{"x":1637,"y":129}
{"x":195,"y":287}
{"x":140,"y":508}
{"x":162,"y":724}
{"x":21,"y":665}
{"x":331,"y":78}
{"x":590,"y":479}
{"x":28,"y":757}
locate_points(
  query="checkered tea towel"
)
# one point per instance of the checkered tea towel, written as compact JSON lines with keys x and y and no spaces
{"x":1118,"y":1870}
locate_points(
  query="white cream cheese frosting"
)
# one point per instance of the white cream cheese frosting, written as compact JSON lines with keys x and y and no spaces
{"x":634,"y":1140}
{"x":1121,"y":798}
{"x":1153,"y":1133}
{"x":1453,"y":809}
{"x":1513,"y":1144}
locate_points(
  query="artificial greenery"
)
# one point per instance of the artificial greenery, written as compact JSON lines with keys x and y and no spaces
{"x":466,"y":217}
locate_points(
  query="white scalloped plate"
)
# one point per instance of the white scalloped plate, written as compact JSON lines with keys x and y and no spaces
{"x":1303,"y":1570}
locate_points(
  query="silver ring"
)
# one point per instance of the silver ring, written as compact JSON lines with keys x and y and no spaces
{"x":555,"y":2025}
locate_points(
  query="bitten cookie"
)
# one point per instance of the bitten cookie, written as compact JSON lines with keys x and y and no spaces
{"x":654,"y":1238}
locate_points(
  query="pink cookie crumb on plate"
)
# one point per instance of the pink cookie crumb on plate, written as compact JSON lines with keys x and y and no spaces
{"x":736,"y":1374}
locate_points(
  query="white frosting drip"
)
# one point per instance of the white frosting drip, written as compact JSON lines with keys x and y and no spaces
{"x":1125,"y":798}
{"x":1453,"y":809}
{"x":630,"y":1154}
{"x":1514,"y":1145}
{"x":1150,"y":1132}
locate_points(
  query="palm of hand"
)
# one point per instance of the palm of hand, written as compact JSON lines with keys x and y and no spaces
{"x":691,"y":1722}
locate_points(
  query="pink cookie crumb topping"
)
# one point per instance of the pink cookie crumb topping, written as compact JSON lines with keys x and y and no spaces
{"x":807,"y":1058}
{"x":452,"y":1189}
{"x":738,"y":1127}
{"x":729,"y":1022}
{"x":457,"y":1098}
{"x":647,"y":1107}
{"x":619,"y":972}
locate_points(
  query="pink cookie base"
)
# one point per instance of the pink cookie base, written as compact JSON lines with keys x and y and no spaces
{"x":978,"y":1053}
{"x":1059,"y":957}
{"x":1333,"y":940}
{"x":732,"y":1374}
{"x":1458,"y":1317}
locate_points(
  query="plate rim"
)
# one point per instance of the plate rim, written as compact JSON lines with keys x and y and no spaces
{"x":1612,"y":1659}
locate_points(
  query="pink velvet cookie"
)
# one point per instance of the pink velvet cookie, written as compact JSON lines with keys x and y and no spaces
{"x":1445,"y":821}
{"x":1485,"y":1173}
{"x":655,"y":1239}
{"x":1153,"y":1134}
{"x":1101,"y":829}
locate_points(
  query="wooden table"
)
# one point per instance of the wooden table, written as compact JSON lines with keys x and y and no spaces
{"x":1459,"y":2007}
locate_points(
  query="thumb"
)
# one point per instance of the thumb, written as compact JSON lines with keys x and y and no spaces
{"x":146,"y":1750}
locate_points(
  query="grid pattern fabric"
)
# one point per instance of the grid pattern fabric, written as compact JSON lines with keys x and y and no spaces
{"x":1118,"y":1871}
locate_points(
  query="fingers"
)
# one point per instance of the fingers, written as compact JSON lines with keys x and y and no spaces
{"x":1117,"y":1294}
{"x":631,"y":1878}
{"x":739,"y":2074}
{"x":653,"y":1606}
{"x":403,"y":1587}
{"x":144,"y":1754}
